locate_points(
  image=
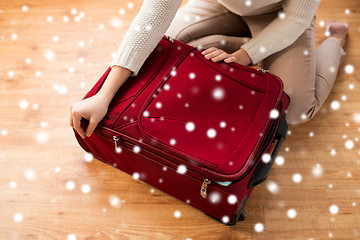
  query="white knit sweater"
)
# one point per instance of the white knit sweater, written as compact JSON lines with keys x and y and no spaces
{"x":155,"y":16}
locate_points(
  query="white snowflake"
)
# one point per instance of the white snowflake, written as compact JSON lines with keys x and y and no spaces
{"x":266,"y":158}
{"x":225,"y":219}
{"x":214,"y":197}
{"x":25,"y":8}
{"x":317,"y":171}
{"x":18,"y":217}
{"x":177,"y":214}
{"x":181,"y":169}
{"x":297,"y":177}
{"x":28,"y":60}
{"x":30,"y":174}
{"x":101,"y":27}
{"x":70,"y":185}
{"x":167,"y":87}
{"x":12,"y":184}
{"x":158,"y":105}
{"x":190,"y":126}
{"x":121,"y":11}
{"x":172,"y":141}
{"x":281,"y":15}
{"x":114,"y":201}
{"x":146,"y":113}
{"x":49,"y":55}
{"x":136,"y":176}
{"x":335,"y":105}
{"x":272,"y":187}
{"x":130,"y":5}
{"x":349,"y":144}
{"x":218,"y":93}
{"x":274,"y":114}
{"x":291,"y":213}
{"x":42,"y":137}
{"x":136,"y":149}
{"x":23,"y":104}
{"x":85,"y":188}
{"x":116,"y":23}
{"x":349,"y":69}
{"x":259,"y":227}
{"x":248,"y":3}
{"x":333,"y":152}
{"x":334,"y":209}
{"x":279,"y":160}
{"x":232,"y":199}
{"x":71,"y":237}
{"x":88,"y":157}
{"x":211,"y":133}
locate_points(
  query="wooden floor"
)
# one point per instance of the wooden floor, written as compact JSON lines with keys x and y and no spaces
{"x":52,"y":52}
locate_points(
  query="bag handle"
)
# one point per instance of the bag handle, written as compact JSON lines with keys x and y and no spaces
{"x":263,"y":169}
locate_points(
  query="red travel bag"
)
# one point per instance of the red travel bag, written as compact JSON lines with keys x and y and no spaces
{"x":204,"y":132}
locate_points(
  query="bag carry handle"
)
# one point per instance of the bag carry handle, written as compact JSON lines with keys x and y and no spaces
{"x":263,"y":169}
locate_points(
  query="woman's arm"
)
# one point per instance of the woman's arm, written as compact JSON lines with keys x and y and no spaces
{"x":140,"y":40}
{"x":94,"y":108}
{"x":283,"y":30}
{"x":145,"y":32}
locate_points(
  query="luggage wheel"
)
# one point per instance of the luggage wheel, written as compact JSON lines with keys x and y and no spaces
{"x":241,"y":214}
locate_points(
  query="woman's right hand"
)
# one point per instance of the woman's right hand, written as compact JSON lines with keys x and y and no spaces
{"x":93,"y":109}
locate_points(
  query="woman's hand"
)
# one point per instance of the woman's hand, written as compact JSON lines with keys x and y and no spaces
{"x":216,"y":55}
{"x":93,"y":109}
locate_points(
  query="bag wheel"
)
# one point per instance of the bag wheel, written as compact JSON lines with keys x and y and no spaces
{"x":242,"y":216}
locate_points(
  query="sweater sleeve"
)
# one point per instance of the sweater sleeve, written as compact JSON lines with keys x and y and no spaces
{"x":144,"y":33}
{"x":283,"y":30}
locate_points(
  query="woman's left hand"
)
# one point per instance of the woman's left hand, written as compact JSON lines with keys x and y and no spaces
{"x":217,"y":55}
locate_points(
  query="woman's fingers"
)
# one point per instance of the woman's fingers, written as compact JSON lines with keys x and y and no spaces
{"x":91,"y":127}
{"x":220,"y":57}
{"x":230,"y":59}
{"x":209,"y":50}
{"x":77,"y":123}
{"x":215,"y":53}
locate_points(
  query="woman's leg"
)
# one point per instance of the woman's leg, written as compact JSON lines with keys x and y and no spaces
{"x":206,"y":23}
{"x":308,"y":74}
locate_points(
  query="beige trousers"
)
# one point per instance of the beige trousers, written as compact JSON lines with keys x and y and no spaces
{"x":308,"y":74}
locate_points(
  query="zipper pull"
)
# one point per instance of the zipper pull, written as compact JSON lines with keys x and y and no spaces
{"x":262,"y":70}
{"x":203,"y":190}
{"x":115,"y":138}
{"x":170,"y":39}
